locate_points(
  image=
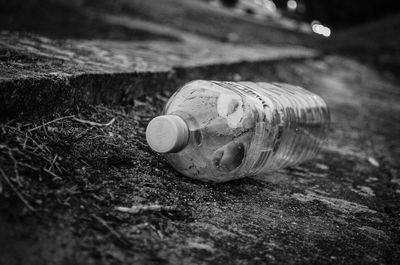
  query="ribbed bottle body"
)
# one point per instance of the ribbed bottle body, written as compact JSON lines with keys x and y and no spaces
{"x":241,"y":129}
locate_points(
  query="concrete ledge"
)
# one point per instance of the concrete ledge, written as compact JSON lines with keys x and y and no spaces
{"x":39,"y":75}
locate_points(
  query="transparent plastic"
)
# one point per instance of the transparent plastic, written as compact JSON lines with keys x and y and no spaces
{"x":239,"y":129}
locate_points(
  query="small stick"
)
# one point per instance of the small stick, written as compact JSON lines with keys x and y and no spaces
{"x":104,"y":223}
{"x":24,"y":145}
{"x":15,"y":163}
{"x":51,"y":173}
{"x":2,"y":146}
{"x":92,"y":123}
{"x":15,"y":129}
{"x":162,"y":98}
{"x":16,"y":171}
{"x":16,"y":191}
{"x":139,"y":142}
{"x":81,"y":134}
{"x":28,"y":166}
{"x":41,"y":147}
{"x":84,"y":162}
{"x":47,"y":123}
{"x":112,"y":231}
{"x":52,"y":162}
{"x":145,"y":208}
{"x":45,"y":131}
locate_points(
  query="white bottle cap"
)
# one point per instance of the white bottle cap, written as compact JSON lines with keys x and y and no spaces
{"x":167,"y":134}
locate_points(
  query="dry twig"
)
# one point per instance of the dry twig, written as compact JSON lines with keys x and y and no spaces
{"x":5,"y":177}
{"x":92,"y":123}
{"x":15,"y":162}
{"x":15,"y":166}
{"x":47,"y":123}
{"x":112,"y":230}
{"x":135,"y":209}
{"x":51,"y":173}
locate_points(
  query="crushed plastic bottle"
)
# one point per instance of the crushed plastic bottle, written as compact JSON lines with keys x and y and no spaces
{"x":220,"y":131}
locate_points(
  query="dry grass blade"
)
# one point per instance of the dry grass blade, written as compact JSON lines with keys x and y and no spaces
{"x":145,"y":208}
{"x":104,"y":223}
{"x":15,"y":162}
{"x":28,"y":166}
{"x":55,"y":176}
{"x":50,"y":122}
{"x":112,"y":231}
{"x":15,"y":166}
{"x":92,"y":123}
{"x":5,"y":177}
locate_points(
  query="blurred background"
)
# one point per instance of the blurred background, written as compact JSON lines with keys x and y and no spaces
{"x":353,"y":27}
{"x":304,"y":15}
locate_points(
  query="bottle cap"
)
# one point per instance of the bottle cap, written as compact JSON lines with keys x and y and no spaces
{"x":167,"y":134}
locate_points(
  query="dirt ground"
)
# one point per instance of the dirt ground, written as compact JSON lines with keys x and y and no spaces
{"x":66,"y":177}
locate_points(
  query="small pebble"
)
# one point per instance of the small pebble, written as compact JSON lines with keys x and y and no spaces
{"x":321,"y":166}
{"x":370,"y":179}
{"x":367,"y":191}
{"x":373,"y":161}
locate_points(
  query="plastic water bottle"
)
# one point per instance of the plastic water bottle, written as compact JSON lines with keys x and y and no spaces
{"x":219,"y":131}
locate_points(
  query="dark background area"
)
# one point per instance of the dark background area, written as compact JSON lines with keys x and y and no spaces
{"x":341,"y":14}
{"x":338,"y":14}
